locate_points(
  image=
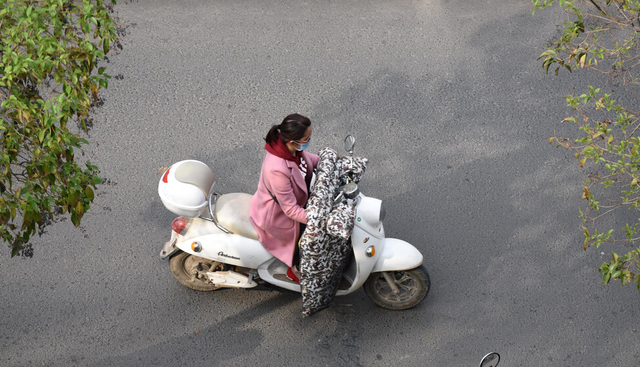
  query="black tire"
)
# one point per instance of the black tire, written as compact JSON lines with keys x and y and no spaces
{"x":413,"y":286}
{"x":190,"y":271}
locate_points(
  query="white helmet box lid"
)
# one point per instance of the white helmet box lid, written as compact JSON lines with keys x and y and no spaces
{"x":185,"y":187}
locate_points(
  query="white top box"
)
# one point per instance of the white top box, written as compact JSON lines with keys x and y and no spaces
{"x":185,"y":187}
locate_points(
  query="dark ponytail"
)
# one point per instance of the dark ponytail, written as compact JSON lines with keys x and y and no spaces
{"x":272,"y":135}
{"x":293,"y":127}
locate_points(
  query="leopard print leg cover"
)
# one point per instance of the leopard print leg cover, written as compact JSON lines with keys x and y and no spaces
{"x":324,"y":246}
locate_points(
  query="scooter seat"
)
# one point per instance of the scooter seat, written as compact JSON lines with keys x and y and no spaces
{"x":232,"y":212}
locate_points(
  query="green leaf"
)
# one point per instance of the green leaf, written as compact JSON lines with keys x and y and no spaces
{"x":73,"y":199}
{"x":79,"y":209}
{"x":41,"y":135}
{"x":88,"y":191}
{"x":606,"y":277}
{"x":75,"y":220}
{"x":85,"y":27}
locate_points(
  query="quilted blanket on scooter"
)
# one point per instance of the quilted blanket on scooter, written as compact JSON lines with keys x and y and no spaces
{"x":324,"y":246}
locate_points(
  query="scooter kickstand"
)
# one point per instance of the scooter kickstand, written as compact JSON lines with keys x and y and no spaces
{"x":251,"y":275}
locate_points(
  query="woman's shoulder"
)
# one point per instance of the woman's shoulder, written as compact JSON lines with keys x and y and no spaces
{"x":274,"y":162}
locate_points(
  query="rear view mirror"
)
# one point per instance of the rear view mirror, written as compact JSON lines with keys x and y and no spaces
{"x":349,"y":143}
{"x":490,"y":360}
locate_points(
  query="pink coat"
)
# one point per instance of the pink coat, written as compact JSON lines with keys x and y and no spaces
{"x":278,"y":224}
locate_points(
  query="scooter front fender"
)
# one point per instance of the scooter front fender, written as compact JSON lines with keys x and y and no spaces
{"x":397,"y":255}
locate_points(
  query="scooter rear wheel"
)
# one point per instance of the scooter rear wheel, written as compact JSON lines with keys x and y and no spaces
{"x":412,"y":287}
{"x":190,"y":271}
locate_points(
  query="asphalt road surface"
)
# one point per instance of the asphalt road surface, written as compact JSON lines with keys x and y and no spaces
{"x":447,"y":101}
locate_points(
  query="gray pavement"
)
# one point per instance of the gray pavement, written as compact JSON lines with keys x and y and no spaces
{"x":448,"y":102}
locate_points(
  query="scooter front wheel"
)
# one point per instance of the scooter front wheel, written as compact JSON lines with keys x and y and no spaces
{"x":407,"y":288}
{"x":190,"y":270}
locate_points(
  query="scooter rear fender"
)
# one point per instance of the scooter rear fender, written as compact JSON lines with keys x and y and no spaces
{"x":227,"y":248}
{"x":397,"y":255}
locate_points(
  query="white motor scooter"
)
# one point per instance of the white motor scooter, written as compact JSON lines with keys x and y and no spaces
{"x":222,"y":249}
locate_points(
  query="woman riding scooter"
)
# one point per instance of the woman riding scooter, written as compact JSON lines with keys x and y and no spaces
{"x":277,"y":208}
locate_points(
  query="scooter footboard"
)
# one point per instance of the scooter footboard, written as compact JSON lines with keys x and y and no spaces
{"x":397,"y":255}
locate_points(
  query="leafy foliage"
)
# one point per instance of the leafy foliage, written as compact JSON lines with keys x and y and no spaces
{"x":602,"y":36}
{"x":49,"y":53}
